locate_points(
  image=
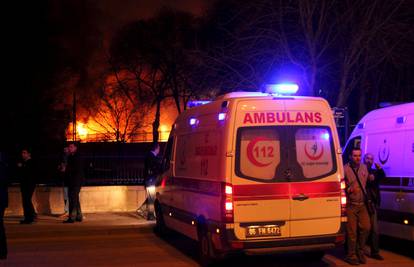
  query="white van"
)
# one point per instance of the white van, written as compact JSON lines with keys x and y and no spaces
{"x":388,"y":133}
{"x":254,"y":173}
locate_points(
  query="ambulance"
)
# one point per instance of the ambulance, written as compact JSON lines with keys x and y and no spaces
{"x":257,"y":173}
{"x":388,"y":134}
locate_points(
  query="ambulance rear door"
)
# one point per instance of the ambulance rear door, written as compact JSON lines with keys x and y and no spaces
{"x":314,"y":183}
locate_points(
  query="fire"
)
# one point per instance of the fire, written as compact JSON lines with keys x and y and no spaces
{"x":92,"y":129}
{"x":81,"y":130}
{"x":164,"y":132}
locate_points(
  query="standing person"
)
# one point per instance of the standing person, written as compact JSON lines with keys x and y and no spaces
{"x":374,"y":193}
{"x":62,"y":168}
{"x":27,"y":174}
{"x":73,"y":180}
{"x":151,"y":169}
{"x":358,"y":218}
{"x":3,"y":205}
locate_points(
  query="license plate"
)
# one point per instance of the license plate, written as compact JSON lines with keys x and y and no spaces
{"x":258,"y":231}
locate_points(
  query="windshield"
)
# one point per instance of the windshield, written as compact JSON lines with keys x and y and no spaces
{"x":284,"y":153}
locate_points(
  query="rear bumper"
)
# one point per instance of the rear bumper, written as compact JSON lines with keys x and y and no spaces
{"x":228,"y":242}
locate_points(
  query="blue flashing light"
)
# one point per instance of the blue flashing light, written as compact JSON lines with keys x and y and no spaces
{"x":325,"y":136}
{"x":221,"y":116}
{"x":282,"y":88}
{"x":361,"y":125}
{"x":193,"y":121}
{"x":196,"y":103}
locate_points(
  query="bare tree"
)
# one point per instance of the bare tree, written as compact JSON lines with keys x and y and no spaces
{"x":368,"y":26}
{"x":119,"y":114}
{"x":153,"y":53}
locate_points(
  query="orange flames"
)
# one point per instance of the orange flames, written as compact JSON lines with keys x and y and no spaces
{"x":91,"y":129}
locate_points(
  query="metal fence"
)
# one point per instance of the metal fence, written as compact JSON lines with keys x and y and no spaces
{"x":112,"y":170}
{"x":104,"y":163}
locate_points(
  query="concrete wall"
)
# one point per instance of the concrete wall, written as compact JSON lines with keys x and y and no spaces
{"x":49,"y":200}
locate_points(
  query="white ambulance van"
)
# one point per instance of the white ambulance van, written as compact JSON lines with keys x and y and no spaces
{"x":388,"y":133}
{"x":254,"y":173}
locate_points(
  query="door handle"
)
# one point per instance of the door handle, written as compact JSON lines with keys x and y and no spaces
{"x":300,"y":197}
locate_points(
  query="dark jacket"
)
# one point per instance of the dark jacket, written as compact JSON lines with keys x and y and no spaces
{"x":74,"y":175}
{"x":373,"y":186}
{"x":27,"y":174}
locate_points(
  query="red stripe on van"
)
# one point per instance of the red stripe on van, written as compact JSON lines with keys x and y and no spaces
{"x":286,"y":190}
{"x":261,"y":191}
{"x":317,"y":188}
{"x":248,"y":198}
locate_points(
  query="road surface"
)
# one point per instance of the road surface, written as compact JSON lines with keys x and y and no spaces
{"x":126,"y":240}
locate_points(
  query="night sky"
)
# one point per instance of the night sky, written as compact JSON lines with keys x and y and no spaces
{"x":48,"y":42}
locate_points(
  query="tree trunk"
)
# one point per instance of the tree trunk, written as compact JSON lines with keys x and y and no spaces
{"x":156,"y":123}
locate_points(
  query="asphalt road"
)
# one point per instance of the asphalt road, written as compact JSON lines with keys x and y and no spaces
{"x":126,"y":240}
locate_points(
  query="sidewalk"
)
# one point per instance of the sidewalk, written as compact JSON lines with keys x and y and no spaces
{"x":50,"y":226}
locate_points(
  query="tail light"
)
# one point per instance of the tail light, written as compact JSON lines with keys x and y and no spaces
{"x":343,"y":198}
{"x":228,"y":215}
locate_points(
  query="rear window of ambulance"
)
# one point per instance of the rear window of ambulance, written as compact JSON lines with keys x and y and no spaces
{"x":313,"y":151}
{"x":267,"y":153}
{"x":260,"y":152}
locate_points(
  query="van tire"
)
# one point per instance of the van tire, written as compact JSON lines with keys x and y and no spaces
{"x":205,"y":248}
{"x":160,"y":228}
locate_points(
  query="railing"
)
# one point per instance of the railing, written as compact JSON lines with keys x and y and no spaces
{"x":105,"y":163}
{"x":114,"y":171}
{"x":131,"y":138}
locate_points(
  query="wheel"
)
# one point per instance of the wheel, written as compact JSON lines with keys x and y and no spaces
{"x":160,"y":228}
{"x":207,"y":255}
{"x":204,"y":249}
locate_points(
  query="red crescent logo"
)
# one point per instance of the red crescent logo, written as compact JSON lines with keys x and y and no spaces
{"x":316,"y":157}
{"x":250,"y":155}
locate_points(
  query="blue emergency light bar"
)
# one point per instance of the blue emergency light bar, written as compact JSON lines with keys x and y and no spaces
{"x":282,"y":88}
{"x":195,"y":103}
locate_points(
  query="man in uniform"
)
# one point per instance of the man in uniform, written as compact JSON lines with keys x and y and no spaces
{"x":358,"y":218}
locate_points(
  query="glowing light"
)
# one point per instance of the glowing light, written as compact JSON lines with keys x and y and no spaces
{"x":151,"y":190}
{"x":81,"y":130}
{"x":405,"y":221}
{"x":193,"y":121}
{"x":282,"y":88}
{"x":325,"y":136}
{"x":217,"y":231}
{"x":343,"y":200}
{"x":221,"y":116}
{"x":343,"y":185}
{"x":229,"y":206}
{"x":229,"y":190}
{"x":196,"y":103}
{"x":164,"y":132}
